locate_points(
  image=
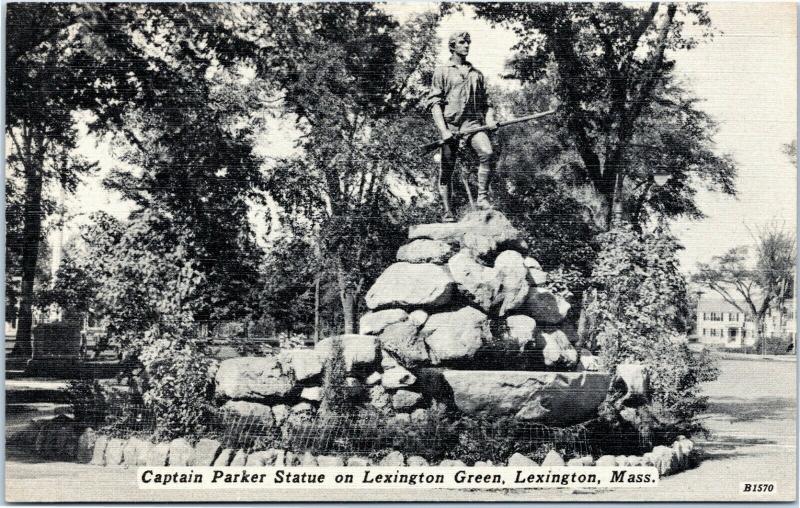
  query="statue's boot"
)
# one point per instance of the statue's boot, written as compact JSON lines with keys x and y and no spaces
{"x":484,"y":175}
{"x":444,"y":192}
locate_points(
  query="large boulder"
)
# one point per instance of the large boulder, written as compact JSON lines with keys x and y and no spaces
{"x":521,"y":329}
{"x":425,"y":251}
{"x":256,"y":411}
{"x":555,"y":349}
{"x":455,"y":335}
{"x":514,"y":284}
{"x":553,"y":398}
{"x":302,"y":363}
{"x":411,"y":285}
{"x":397,"y":377}
{"x":545,"y":306}
{"x":359,"y":350}
{"x":373,"y":323}
{"x":403,"y":400}
{"x":402,"y":341}
{"x":253,"y":378}
{"x":633,"y":380}
{"x":500,"y":289}
{"x":481,"y":284}
{"x":484,"y":232}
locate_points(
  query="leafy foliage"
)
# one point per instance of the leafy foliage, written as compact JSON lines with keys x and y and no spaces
{"x":621,"y":114}
{"x":636,"y":310}
{"x":353,"y":92}
{"x":148,"y":290}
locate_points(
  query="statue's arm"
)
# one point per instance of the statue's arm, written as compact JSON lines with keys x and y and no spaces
{"x":435,"y":101}
{"x":438,"y":121}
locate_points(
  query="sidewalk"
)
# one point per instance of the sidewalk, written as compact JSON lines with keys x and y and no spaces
{"x":742,"y":356}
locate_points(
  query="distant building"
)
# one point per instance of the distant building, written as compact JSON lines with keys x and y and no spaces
{"x":722,"y":324}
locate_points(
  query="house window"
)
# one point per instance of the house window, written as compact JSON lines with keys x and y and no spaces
{"x":704,"y":332}
{"x":732,"y":333}
{"x":705,"y":316}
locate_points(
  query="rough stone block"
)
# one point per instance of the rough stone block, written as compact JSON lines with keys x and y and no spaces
{"x":553,"y":398}
{"x":159,"y":455}
{"x":330,"y":461}
{"x":99,"y":451}
{"x":114,"y":452}
{"x":455,"y":335}
{"x":86,"y":444}
{"x":425,"y":251}
{"x":553,"y":458}
{"x":411,"y":285}
{"x":417,"y":461}
{"x":394,"y":458}
{"x":373,"y":323}
{"x":253,"y":378}
{"x":224,"y":458}
{"x":405,"y":399}
{"x":520,"y":460}
{"x":181,"y":452}
{"x":205,"y":451}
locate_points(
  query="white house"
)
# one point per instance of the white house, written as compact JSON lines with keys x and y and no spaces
{"x":723,"y":324}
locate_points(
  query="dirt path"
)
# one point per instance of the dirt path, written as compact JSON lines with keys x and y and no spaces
{"x":752,"y":417}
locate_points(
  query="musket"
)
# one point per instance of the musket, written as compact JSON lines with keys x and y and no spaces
{"x":436,"y":144}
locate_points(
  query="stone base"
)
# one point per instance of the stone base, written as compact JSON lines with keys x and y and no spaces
{"x":552,"y":398}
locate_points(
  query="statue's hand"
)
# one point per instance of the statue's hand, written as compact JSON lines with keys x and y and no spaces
{"x":446,"y":135}
{"x":493,"y":126}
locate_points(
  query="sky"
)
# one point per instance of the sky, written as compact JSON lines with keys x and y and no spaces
{"x":746,"y":76}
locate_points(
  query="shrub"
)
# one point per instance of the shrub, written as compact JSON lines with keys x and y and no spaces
{"x":335,"y":395}
{"x":640,"y":292}
{"x":179,"y":390}
{"x":88,"y":402}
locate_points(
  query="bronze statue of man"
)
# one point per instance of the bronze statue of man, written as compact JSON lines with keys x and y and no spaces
{"x":458,"y":101}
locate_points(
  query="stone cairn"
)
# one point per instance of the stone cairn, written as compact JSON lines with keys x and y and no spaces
{"x":462,"y":319}
{"x":448,"y":322}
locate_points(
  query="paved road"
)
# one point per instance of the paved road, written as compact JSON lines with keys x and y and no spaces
{"x":752,"y":416}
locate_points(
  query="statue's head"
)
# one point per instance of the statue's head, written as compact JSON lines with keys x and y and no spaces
{"x":459,"y":43}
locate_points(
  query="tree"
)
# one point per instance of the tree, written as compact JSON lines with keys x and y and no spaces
{"x":47,"y":67}
{"x":640,"y":295}
{"x":756,"y":278}
{"x":354,"y":92}
{"x":609,"y":67}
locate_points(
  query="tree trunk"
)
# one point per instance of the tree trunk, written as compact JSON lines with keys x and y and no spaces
{"x":31,"y":236}
{"x":760,"y":342}
{"x":316,"y":310}
{"x":349,"y":309}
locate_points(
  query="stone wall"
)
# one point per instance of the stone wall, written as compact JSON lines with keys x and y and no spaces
{"x":104,"y":451}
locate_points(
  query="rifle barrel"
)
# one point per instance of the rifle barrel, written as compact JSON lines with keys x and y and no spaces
{"x":430,"y":146}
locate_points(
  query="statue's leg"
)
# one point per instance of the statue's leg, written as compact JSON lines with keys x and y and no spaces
{"x":446,"y":168}
{"x":483,"y":147}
